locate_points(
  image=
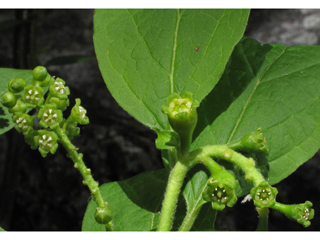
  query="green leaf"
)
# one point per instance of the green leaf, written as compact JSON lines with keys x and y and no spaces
{"x":2,"y":230}
{"x":167,"y":139}
{"x":68,"y":60}
{"x":145,"y":55}
{"x":6,"y":74}
{"x":135,"y":203}
{"x":270,"y":86}
{"x":192,"y":193}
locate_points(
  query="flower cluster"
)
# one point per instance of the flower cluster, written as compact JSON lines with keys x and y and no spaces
{"x":20,"y":98}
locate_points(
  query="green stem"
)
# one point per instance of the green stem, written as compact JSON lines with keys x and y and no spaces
{"x":85,"y":172}
{"x":223,"y":152}
{"x":263,"y":219}
{"x":189,"y":219}
{"x":174,"y":185}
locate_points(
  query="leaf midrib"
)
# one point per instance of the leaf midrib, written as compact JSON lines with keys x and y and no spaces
{"x":174,"y":51}
{"x":251,"y":94}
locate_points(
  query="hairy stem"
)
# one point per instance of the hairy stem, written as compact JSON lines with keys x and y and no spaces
{"x":223,"y":152}
{"x":263,"y":219}
{"x":174,"y":185}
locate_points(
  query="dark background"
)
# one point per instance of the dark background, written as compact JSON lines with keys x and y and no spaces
{"x":47,"y":194}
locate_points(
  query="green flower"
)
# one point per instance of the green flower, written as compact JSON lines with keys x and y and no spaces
{"x":61,"y":104}
{"x":78,"y":113}
{"x":220,"y":190}
{"x":72,"y":130}
{"x":47,"y":141}
{"x":181,"y":112}
{"x":302,"y":213}
{"x":251,"y":142}
{"x":29,"y":138}
{"x":264,"y":195}
{"x":23,"y":122}
{"x":33,"y":95}
{"x":58,"y":89}
{"x":50,"y":116}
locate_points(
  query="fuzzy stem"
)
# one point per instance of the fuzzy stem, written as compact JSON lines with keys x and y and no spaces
{"x":263,"y":219}
{"x":85,"y":172}
{"x":174,"y":185}
{"x":223,"y":152}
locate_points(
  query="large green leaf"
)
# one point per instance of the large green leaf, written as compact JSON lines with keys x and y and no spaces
{"x":144,"y":55}
{"x":135,"y":202}
{"x":6,"y":74}
{"x":270,"y":86}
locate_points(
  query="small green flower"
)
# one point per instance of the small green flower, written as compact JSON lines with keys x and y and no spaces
{"x":58,"y":89}
{"x":29,"y":138}
{"x":181,"y":112}
{"x":16,"y":85}
{"x":220,"y":190}
{"x":23,"y":122}
{"x":72,"y":130}
{"x":8,"y":100}
{"x":251,"y":142}
{"x":78,"y":113}
{"x":33,"y":95}
{"x":61,"y":104}
{"x":264,"y":195}
{"x":19,"y":107}
{"x":50,"y":116}
{"x":47,"y":141}
{"x":302,"y":213}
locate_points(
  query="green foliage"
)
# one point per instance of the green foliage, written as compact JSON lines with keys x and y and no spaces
{"x":149,"y":54}
{"x":136,"y":203}
{"x":264,"y":85}
{"x":6,"y":75}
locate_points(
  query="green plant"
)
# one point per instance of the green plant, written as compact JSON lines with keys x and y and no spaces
{"x":215,"y":98}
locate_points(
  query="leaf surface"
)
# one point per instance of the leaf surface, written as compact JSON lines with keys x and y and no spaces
{"x":6,"y":74}
{"x":145,"y":55}
{"x":135,"y":202}
{"x":270,"y":86}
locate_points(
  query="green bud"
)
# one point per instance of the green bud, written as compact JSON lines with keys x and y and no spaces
{"x":251,"y":142}
{"x":103,"y":215}
{"x":40,"y":73}
{"x":220,"y":190}
{"x":50,"y":116}
{"x":16,"y":85}
{"x":302,"y":213}
{"x":8,"y":100}
{"x":47,"y":141}
{"x":264,"y":195}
